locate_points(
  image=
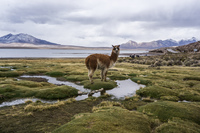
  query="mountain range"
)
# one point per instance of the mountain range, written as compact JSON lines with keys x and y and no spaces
{"x":157,"y":44}
{"x":192,"y":47}
{"x":24,"y":38}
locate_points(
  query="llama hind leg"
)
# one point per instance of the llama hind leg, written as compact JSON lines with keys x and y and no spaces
{"x":90,"y":75}
{"x":105,"y":76}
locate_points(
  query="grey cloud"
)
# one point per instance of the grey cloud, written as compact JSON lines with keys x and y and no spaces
{"x":87,"y":20}
{"x":39,"y":13}
{"x":101,"y":20}
{"x":180,"y":16}
{"x":50,"y":13}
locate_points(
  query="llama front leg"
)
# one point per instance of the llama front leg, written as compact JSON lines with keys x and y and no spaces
{"x":90,"y":75}
{"x":103,"y":74}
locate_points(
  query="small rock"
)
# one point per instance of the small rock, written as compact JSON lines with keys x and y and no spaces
{"x":80,"y":93}
{"x":91,"y":93}
{"x":84,"y":93}
{"x":101,"y":89}
{"x":147,"y":99}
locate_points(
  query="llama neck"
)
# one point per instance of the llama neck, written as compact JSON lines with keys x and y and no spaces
{"x":114,"y":57}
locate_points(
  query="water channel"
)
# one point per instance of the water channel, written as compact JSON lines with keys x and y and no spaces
{"x":124,"y":88}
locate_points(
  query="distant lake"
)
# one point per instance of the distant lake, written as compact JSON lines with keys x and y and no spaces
{"x":58,"y":53}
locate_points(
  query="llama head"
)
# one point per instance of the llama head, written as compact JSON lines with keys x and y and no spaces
{"x":116,"y":49}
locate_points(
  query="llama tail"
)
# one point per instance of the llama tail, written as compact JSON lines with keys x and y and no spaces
{"x":87,"y":60}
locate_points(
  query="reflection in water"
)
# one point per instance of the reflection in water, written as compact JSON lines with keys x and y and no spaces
{"x":53,"y":80}
{"x":23,"y":100}
{"x":124,"y":88}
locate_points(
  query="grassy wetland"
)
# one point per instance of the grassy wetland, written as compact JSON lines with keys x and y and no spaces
{"x":170,"y":102}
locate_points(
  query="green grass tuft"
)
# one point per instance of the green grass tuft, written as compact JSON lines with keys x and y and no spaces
{"x":176,"y":125}
{"x":117,"y":77}
{"x":155,"y":92}
{"x":57,"y":93}
{"x":10,"y":74}
{"x":189,"y":95}
{"x":132,"y":74}
{"x":21,"y":90}
{"x":55,"y":74}
{"x":192,"y":78}
{"x":166,"y":110}
{"x":38,"y":106}
{"x":98,"y":84}
{"x":141,"y":81}
{"x":4,"y":69}
{"x":170,"y":98}
{"x":106,"y":104}
{"x":75,"y":78}
{"x":13,"y":91}
{"x":109,"y":120}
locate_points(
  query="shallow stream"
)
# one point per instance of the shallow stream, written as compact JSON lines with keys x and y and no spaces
{"x":124,"y":88}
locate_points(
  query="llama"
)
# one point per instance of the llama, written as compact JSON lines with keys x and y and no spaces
{"x":102,"y":62}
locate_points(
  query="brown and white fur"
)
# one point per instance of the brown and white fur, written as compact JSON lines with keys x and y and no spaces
{"x":102,"y":62}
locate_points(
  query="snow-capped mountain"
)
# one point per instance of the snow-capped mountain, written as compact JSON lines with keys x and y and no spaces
{"x":157,"y":44}
{"x":185,"y":41}
{"x":23,"y":38}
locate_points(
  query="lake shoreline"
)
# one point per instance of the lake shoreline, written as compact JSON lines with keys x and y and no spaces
{"x":124,"y":55}
{"x":59,"y":53}
{"x":67,"y":47}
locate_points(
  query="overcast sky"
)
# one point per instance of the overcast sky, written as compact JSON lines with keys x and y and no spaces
{"x":101,"y":22}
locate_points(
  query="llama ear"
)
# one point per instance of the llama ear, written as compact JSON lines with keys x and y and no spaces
{"x":113,"y":46}
{"x":118,"y":46}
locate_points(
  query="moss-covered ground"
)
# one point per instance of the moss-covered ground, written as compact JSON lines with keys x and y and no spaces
{"x":156,"y":107}
{"x":108,"y":118}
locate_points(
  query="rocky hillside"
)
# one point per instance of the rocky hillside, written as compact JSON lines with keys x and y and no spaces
{"x":192,"y":47}
{"x":157,"y":44}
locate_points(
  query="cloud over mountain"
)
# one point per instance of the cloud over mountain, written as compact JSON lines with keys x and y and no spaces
{"x":101,"y":22}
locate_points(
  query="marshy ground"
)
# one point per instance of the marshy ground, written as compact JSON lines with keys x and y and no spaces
{"x":168,"y":103}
